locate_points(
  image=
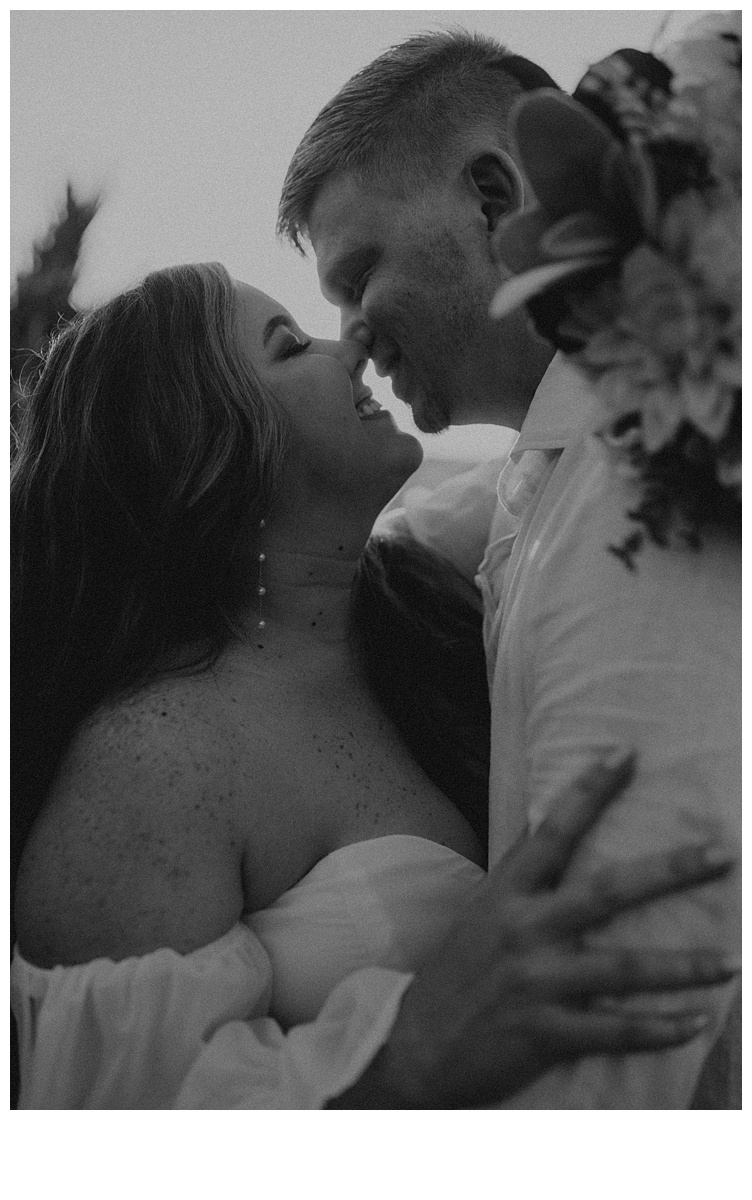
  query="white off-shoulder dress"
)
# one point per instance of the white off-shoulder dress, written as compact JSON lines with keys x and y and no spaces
{"x":284,"y":1011}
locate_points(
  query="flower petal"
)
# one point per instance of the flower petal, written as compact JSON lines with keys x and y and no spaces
{"x":516,"y":240}
{"x":516,"y":292}
{"x":644,"y":189}
{"x":561,"y":146}
{"x":708,"y":406}
{"x":730,"y":475}
{"x":580,"y":234}
{"x":661,"y":417}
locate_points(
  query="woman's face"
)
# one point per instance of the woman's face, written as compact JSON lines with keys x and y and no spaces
{"x":343,"y":442}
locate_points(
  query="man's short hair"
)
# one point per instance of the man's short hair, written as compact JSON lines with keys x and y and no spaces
{"x":394,"y":122}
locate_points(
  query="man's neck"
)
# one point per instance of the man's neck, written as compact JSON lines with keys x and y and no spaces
{"x":504,"y":394}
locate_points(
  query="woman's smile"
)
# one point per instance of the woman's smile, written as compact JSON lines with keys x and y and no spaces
{"x":318,"y":382}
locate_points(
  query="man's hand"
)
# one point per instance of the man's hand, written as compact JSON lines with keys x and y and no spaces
{"x":510,"y":993}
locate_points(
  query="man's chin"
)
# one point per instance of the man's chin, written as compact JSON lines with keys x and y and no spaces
{"x":430,"y":417}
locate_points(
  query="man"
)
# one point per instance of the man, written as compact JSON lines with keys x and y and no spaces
{"x":400,"y":184}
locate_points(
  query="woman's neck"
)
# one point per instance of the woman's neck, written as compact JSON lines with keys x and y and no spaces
{"x":307,"y":595}
{"x":306,"y":562}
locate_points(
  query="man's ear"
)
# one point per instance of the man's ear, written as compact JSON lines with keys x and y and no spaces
{"x":495,"y":179}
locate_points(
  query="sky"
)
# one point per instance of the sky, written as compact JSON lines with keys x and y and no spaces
{"x":184,"y":121}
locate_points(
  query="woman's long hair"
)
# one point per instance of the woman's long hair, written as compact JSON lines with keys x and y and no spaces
{"x":147,"y":453}
{"x":418,"y":626}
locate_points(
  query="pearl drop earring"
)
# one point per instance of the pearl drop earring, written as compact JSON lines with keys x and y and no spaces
{"x":261,"y":590}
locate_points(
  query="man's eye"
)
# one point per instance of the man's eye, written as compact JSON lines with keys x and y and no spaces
{"x":357,"y":289}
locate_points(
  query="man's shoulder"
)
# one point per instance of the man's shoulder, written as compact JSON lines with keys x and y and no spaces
{"x":588,"y":528}
{"x":578,"y":574}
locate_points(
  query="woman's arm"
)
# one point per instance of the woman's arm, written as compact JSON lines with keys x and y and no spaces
{"x":138,"y":847}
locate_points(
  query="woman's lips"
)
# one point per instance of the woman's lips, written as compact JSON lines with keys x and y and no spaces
{"x":366,"y":406}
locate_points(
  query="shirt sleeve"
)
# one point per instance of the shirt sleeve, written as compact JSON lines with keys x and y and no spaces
{"x":454,"y":519}
{"x":648,"y":658}
{"x":191,"y":1031}
{"x":255,"y":1065}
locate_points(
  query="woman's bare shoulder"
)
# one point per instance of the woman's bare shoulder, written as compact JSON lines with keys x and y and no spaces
{"x":138,"y":844}
{"x":171,"y":724}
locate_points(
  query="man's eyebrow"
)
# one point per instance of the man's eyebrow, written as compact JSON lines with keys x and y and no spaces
{"x":274,"y":323}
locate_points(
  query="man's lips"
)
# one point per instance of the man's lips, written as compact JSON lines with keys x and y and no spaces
{"x":385,"y":366}
{"x":389,"y":367}
{"x":400,"y":387}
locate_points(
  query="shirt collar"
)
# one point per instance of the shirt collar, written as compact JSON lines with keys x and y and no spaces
{"x":562,"y":407}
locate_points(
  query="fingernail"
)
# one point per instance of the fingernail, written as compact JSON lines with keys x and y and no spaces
{"x":731,"y":963}
{"x":618,"y":757}
{"x":695,"y":1023}
{"x":716,"y":856}
{"x":715,"y":967}
{"x":692,"y":859}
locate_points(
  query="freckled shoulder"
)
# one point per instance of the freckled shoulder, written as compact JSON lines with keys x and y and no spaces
{"x":138,"y":845}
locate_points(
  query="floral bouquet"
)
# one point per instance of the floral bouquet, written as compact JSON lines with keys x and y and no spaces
{"x":631,"y":265}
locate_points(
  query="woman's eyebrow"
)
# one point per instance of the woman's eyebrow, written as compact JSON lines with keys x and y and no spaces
{"x":274,"y":323}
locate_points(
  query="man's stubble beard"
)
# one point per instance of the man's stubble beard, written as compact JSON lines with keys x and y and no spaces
{"x":460,"y":328}
{"x":456,"y":362}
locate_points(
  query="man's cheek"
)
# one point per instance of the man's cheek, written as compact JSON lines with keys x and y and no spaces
{"x":391,"y":311}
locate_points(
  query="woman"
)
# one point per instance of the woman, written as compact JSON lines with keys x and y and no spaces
{"x":230,"y":864}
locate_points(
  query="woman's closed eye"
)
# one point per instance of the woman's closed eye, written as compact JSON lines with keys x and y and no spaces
{"x":292,"y":345}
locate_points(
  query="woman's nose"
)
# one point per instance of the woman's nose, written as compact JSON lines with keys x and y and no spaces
{"x":354,"y":355}
{"x":354,"y":329}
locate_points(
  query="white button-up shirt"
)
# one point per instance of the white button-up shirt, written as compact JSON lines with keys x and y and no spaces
{"x":584,"y":654}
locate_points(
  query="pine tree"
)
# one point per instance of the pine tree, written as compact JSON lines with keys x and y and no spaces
{"x":42,"y":295}
{"x":40,"y":303}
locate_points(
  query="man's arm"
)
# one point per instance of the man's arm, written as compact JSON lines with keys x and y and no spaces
{"x":647,"y":658}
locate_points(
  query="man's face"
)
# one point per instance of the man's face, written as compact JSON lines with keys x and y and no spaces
{"x":413,"y":279}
